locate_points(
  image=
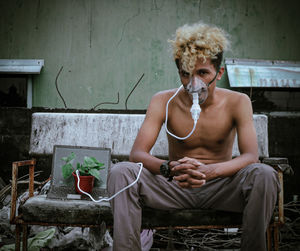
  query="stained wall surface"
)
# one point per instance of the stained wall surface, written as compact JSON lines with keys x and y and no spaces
{"x":105,"y":46}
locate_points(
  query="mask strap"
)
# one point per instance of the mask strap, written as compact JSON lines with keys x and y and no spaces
{"x":213,"y":79}
{"x":185,"y":88}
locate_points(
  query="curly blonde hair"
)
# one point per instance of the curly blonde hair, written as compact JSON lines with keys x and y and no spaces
{"x":196,"y":41}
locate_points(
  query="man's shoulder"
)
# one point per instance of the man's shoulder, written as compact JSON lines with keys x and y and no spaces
{"x":233,"y":96}
{"x":237,"y":104}
{"x":164,"y":95}
{"x":158,"y":102}
{"x":166,"y":92}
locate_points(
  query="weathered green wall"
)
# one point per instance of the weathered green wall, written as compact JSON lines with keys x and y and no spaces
{"x":105,"y":46}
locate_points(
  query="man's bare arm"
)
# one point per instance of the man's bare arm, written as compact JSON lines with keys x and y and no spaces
{"x":148,"y":134}
{"x":247,"y":141}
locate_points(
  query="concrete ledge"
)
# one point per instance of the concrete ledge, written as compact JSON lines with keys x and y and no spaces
{"x":115,"y":131}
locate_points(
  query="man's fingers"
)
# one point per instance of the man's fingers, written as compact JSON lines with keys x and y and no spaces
{"x":191,"y":183}
{"x":181,"y":177}
{"x":184,"y":184}
{"x":184,"y":159}
{"x":190,"y":161}
{"x":196,"y":174}
{"x":187,"y":169}
{"x":191,"y":178}
{"x":183,"y":166}
{"x":187,"y":160}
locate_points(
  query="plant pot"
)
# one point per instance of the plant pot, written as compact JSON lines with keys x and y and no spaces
{"x":86,"y":183}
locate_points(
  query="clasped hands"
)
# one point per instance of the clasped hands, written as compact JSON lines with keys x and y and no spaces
{"x":189,"y":172}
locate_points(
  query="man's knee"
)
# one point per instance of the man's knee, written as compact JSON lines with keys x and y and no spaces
{"x":262,"y":170}
{"x":264,"y":174}
{"x":123,"y":168}
{"x":122,"y":172}
{"x":121,"y":175}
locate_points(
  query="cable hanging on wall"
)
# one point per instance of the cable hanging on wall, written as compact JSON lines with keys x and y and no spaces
{"x":105,"y":103}
{"x":133,"y":90}
{"x":57,"y":86}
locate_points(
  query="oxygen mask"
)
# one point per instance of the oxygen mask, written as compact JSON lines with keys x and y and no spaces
{"x":198,"y":91}
{"x":197,"y":86}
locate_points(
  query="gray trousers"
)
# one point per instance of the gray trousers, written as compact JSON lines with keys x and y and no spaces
{"x":253,"y":190}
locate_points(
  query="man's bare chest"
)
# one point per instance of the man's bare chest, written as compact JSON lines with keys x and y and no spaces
{"x":214,"y":128}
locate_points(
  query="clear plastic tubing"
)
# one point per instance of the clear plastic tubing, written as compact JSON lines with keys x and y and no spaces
{"x":195,"y":112}
{"x":110,"y":198}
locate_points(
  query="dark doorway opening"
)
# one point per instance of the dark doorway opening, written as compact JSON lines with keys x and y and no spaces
{"x":13,"y":90}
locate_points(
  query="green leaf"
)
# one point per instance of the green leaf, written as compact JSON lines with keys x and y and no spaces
{"x":36,"y":243}
{"x":89,"y":162}
{"x":100,"y":166}
{"x":69,"y":158}
{"x":83,"y":171}
{"x":90,"y":166}
{"x":41,"y":240}
{"x":95,"y":173}
{"x":64,"y":159}
{"x":92,"y":162}
{"x":67,"y":170}
{"x":96,"y":161}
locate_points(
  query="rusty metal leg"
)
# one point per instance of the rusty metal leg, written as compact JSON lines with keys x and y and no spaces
{"x":276,"y":237}
{"x":269,"y":237}
{"x":25,"y":235}
{"x":18,"y":237}
{"x":31,"y":178}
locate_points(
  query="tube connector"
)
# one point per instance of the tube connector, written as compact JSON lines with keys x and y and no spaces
{"x":195,"y":109}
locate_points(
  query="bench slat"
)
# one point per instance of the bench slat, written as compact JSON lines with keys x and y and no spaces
{"x":39,"y":209}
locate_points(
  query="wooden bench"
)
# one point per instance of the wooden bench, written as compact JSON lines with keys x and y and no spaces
{"x":117,"y":132}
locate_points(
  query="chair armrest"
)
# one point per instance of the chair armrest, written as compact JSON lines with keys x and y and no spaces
{"x":279,"y":164}
{"x":14,"y":186}
{"x":282,"y":167}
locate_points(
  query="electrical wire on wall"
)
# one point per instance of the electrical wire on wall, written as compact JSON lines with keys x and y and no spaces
{"x":105,"y":103}
{"x":133,"y":90}
{"x":102,"y":103}
{"x":57,"y":86}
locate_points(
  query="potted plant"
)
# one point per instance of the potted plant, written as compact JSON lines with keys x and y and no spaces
{"x":88,"y":171}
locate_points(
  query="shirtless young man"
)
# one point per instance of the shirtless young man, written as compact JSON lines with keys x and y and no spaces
{"x":205,"y":175}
